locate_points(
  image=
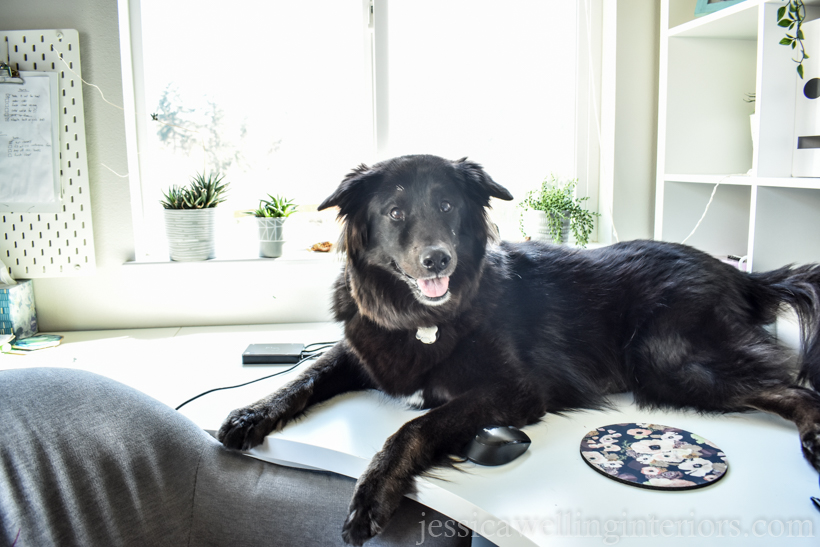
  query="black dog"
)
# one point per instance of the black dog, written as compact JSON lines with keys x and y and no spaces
{"x":485,"y":334}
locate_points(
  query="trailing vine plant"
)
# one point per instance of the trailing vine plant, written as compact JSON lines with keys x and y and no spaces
{"x":557,"y":199}
{"x":792,"y":15}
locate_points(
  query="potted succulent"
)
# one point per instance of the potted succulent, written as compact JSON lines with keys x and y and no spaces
{"x":189,"y":217}
{"x":270,"y":218}
{"x":558,"y":212}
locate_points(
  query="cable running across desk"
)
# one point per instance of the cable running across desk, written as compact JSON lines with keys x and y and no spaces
{"x":307,"y":355}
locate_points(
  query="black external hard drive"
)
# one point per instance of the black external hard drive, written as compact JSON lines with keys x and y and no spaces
{"x":272,"y":354}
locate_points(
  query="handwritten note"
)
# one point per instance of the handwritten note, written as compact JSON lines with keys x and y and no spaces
{"x":22,"y":105}
{"x":29,"y":161}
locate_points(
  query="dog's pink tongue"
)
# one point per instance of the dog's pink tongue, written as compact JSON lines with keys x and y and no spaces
{"x":433,"y":288}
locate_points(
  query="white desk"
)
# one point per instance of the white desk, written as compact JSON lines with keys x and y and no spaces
{"x":547,"y":497}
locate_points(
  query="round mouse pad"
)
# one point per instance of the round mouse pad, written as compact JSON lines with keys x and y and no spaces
{"x":653,"y":456}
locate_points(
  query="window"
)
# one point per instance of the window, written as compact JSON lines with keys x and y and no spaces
{"x":286,"y":97}
{"x":490,"y":79}
{"x":274,"y":95}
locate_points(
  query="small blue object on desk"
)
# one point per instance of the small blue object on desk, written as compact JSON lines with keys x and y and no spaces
{"x":17,"y":313}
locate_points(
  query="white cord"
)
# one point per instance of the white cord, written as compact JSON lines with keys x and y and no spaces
{"x":709,"y":203}
{"x":125,"y":176}
{"x":704,"y":211}
{"x":86,"y":83}
{"x":202,"y":142}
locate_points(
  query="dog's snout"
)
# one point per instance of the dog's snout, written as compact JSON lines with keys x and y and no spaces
{"x":435,"y":259}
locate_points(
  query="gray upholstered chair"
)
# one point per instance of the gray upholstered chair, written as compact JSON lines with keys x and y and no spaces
{"x":87,"y":461}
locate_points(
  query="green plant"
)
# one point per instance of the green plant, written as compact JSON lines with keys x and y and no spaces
{"x":202,"y":193}
{"x":792,"y":16}
{"x":275,"y":207}
{"x":557,"y":199}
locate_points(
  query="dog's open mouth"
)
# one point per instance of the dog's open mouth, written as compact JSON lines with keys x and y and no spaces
{"x":435,"y":287}
{"x":432,"y":290}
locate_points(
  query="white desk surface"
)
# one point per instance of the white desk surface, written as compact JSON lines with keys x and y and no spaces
{"x":549,"y":496}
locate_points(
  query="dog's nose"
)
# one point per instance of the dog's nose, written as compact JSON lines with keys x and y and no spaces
{"x":435,"y":259}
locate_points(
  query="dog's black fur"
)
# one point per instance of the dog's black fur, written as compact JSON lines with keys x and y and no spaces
{"x":527,"y":329}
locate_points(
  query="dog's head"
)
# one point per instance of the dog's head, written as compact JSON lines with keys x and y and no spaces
{"x":419,"y":217}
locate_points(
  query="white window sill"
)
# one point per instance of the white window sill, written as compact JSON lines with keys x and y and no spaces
{"x":289,"y":257}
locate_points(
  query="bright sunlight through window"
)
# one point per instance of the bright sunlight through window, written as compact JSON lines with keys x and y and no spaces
{"x":280,"y":98}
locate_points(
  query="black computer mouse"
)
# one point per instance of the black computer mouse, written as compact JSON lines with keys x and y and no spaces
{"x":497,"y":445}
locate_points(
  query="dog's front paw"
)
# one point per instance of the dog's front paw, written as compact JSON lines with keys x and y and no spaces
{"x":365,"y":520}
{"x":811,"y":445}
{"x":376,"y":498}
{"x":359,"y":527}
{"x":245,"y":428}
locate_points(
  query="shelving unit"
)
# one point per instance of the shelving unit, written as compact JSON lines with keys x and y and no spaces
{"x":708,"y":65}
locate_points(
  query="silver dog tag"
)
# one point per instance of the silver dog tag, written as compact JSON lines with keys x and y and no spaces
{"x":427,"y":334}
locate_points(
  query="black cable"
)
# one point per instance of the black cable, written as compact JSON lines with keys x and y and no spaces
{"x":323,"y":345}
{"x":311,"y":354}
{"x":320,"y":349}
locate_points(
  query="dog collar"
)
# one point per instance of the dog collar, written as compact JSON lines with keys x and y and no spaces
{"x":427,"y":335}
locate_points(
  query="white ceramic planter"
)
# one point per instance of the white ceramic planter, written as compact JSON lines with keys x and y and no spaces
{"x":190,"y":234}
{"x":536,"y":226}
{"x":271,"y":238}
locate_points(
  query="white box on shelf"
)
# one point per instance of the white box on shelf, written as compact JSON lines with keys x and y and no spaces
{"x":806,"y":155}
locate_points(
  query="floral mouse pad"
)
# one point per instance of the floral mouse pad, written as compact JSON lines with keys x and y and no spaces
{"x":653,"y":456}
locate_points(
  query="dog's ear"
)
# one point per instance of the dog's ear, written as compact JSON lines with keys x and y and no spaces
{"x":480,"y":183}
{"x":348,"y":197}
{"x":349,"y":188}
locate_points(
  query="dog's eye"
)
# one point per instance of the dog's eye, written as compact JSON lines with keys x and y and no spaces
{"x":445,"y":206}
{"x":396,"y":214}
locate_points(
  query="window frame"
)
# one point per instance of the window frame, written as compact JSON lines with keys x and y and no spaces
{"x":375,"y":13}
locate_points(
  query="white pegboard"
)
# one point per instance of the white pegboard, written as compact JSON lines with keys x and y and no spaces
{"x":53,"y":244}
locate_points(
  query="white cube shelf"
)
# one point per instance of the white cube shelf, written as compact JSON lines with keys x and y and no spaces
{"x":708,"y":66}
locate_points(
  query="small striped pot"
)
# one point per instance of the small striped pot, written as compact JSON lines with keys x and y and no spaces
{"x":271,"y":239}
{"x":190,"y":234}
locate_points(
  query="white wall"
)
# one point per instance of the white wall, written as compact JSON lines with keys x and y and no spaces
{"x":136,"y":296}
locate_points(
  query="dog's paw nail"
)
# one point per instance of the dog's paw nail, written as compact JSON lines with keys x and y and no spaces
{"x":359,"y":527}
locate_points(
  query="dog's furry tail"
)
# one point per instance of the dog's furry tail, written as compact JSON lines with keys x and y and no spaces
{"x":798,"y":287}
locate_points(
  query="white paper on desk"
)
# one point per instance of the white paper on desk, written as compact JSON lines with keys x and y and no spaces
{"x":29,"y":144}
